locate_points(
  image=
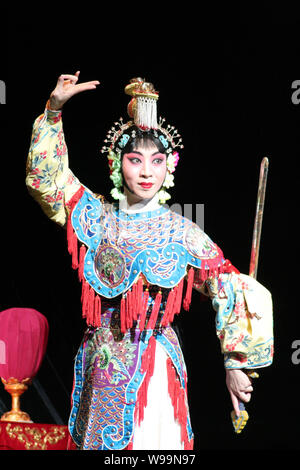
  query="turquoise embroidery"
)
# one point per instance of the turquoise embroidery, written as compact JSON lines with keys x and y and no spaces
{"x":223,"y":304}
{"x":160,"y":244}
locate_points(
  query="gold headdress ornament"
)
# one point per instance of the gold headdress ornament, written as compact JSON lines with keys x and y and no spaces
{"x":142,"y":109}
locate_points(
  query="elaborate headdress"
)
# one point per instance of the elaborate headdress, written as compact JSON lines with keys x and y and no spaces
{"x":142,"y":109}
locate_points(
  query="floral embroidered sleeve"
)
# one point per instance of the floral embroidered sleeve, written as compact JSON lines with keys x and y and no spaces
{"x":244,"y":320}
{"x":244,"y":312}
{"x":48,"y":177}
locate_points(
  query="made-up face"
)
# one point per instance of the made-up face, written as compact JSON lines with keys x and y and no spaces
{"x":144,"y":170}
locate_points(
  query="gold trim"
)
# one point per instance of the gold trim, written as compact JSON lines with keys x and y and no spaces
{"x":35,"y":438}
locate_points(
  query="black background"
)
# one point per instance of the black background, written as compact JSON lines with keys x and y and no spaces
{"x":225,"y":81}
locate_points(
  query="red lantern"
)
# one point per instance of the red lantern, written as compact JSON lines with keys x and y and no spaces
{"x":23,"y":342}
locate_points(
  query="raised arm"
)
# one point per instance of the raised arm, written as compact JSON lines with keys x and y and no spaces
{"x":48,"y":177}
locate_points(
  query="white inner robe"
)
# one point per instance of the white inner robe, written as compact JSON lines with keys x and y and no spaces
{"x":158,"y":430}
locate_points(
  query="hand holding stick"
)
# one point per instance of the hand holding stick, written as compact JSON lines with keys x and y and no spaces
{"x":240,"y":416}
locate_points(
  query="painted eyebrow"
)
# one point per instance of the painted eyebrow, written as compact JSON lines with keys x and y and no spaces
{"x":153,"y":154}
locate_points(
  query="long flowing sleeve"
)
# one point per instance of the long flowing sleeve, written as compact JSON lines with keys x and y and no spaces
{"x":244,"y":310}
{"x":48,"y":177}
{"x":244,"y":320}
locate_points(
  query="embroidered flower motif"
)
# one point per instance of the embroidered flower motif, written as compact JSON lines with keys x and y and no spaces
{"x":35,"y":171}
{"x":55,"y":200}
{"x":71,"y":179}
{"x":49,"y":198}
{"x":240,"y":310}
{"x":59,"y":151}
{"x":232,"y":346}
{"x":59,"y":196}
{"x":36,"y":183}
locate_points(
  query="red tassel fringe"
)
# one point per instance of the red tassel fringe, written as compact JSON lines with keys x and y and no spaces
{"x":71,"y":236}
{"x":147,"y":365}
{"x":123,"y":315}
{"x":128,"y":310}
{"x":91,"y":305}
{"x":139,"y":297}
{"x":188,"y":294}
{"x":177,"y":395}
{"x":134,"y":306}
{"x":97,"y":311}
{"x":135,"y":303}
{"x":91,"y":302}
{"x":155,"y":311}
{"x":144,"y":310}
{"x":169,"y":308}
{"x":72,"y":243}
{"x":82,"y":253}
{"x":178,"y":298}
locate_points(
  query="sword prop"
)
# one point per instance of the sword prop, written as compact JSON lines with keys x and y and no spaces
{"x":239,"y":422}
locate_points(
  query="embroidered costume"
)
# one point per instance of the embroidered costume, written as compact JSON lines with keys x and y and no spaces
{"x":138,"y":270}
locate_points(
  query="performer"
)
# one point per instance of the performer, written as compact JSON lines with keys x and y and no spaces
{"x":138,"y":263}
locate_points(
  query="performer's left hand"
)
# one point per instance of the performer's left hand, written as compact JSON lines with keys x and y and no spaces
{"x":239,"y":386}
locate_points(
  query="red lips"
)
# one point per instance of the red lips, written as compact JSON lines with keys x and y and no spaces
{"x":146,"y":185}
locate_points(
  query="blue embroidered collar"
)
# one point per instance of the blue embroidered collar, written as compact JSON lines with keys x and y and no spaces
{"x":159,"y":243}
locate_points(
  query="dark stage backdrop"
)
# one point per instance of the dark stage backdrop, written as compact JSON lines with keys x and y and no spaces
{"x":226,"y":83}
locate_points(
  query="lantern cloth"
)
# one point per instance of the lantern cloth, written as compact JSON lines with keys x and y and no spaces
{"x":23,"y":342}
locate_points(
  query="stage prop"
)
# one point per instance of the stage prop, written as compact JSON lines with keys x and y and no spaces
{"x":239,"y":422}
{"x":23,"y":342}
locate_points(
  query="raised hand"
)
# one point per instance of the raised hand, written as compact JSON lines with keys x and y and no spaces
{"x":67,"y":87}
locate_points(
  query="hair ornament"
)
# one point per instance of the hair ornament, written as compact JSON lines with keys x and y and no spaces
{"x":113,"y":135}
{"x":124,"y":139}
{"x":164,"y":141}
{"x":142,"y":107}
{"x":114,"y":161}
{"x":172,"y":161}
{"x":170,"y":133}
{"x":163,"y":196}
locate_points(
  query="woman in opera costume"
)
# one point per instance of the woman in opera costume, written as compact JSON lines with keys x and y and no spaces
{"x":138,"y":262}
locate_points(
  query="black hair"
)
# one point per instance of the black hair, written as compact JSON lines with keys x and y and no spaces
{"x":142,"y":138}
